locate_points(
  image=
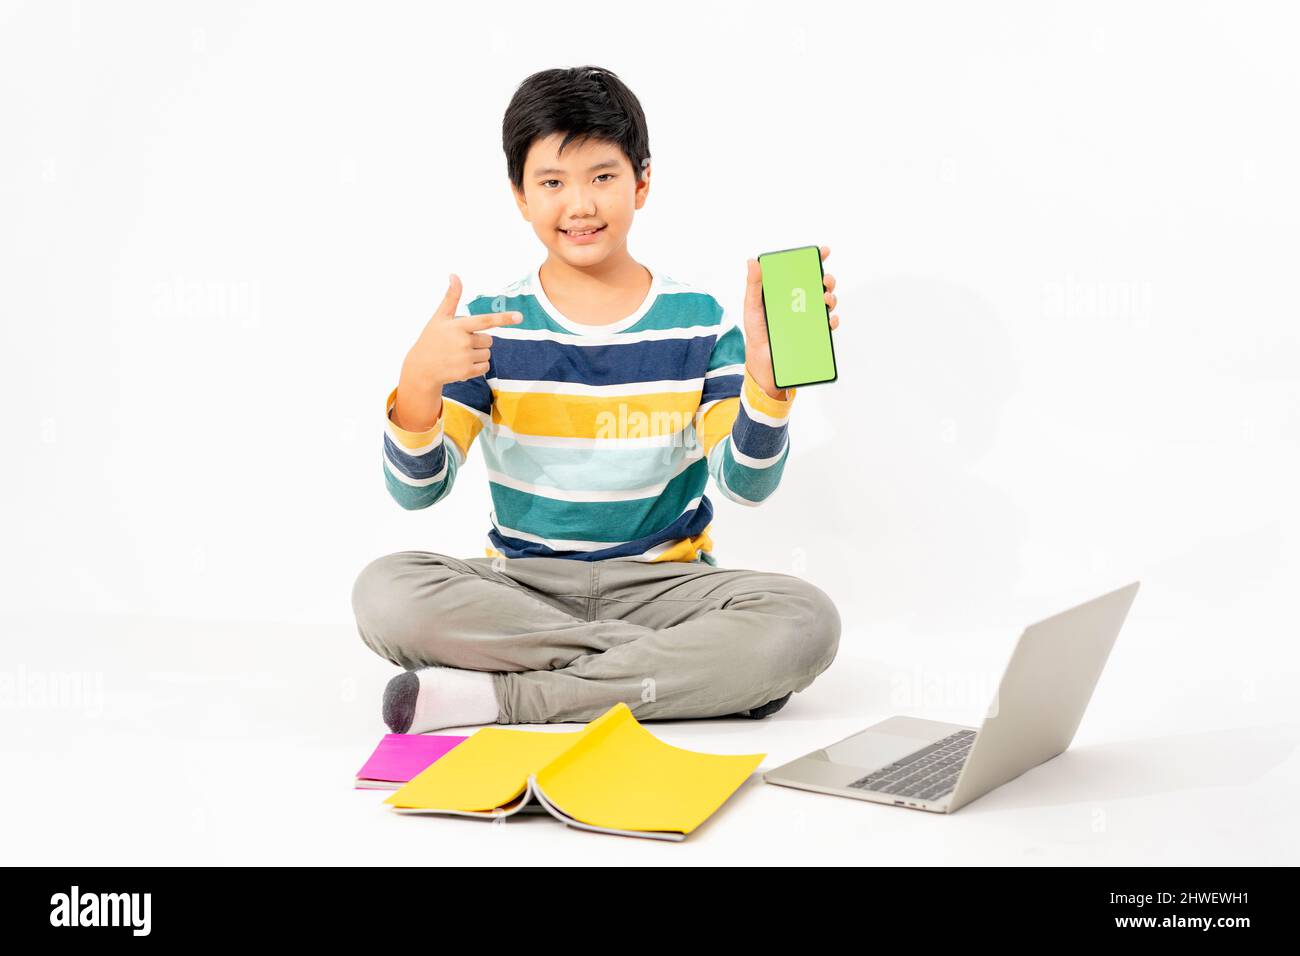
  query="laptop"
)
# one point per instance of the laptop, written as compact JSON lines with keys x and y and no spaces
{"x":931,"y":765}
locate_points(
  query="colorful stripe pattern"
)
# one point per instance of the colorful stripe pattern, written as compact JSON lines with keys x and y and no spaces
{"x":599,"y":440}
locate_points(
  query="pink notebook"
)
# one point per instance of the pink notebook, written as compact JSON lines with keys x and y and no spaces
{"x":399,"y":757}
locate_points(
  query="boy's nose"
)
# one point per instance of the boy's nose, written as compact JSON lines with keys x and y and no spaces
{"x":581,"y":203}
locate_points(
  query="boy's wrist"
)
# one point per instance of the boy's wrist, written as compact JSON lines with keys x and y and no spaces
{"x":412,"y":374}
{"x":764,"y":383}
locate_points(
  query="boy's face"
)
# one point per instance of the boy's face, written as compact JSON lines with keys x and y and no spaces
{"x":591,"y":185}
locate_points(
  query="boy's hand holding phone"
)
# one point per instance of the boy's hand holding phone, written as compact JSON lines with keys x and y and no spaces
{"x":758,"y":352}
{"x":450,"y":349}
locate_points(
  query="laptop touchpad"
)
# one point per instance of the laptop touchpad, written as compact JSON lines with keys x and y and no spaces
{"x":869,"y":750}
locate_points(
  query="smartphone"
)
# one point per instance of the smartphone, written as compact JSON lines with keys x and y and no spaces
{"x":798,"y":321}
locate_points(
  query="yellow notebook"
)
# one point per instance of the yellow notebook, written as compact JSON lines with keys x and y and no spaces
{"x":613,"y":776}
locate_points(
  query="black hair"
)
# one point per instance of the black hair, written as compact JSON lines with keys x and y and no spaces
{"x":583,"y":102}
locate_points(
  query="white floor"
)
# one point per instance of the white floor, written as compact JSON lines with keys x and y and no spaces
{"x":137,"y":741}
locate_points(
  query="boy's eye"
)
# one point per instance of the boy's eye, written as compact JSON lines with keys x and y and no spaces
{"x":610,"y":175}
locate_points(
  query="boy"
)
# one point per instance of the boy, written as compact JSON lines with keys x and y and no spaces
{"x":604,"y":394}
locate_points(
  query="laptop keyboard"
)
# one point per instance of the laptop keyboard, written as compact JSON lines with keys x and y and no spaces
{"x":929,"y":773}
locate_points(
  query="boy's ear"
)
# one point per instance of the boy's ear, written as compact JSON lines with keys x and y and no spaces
{"x":643,"y":184}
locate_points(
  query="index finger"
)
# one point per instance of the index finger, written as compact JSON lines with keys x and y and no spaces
{"x":489,"y":320}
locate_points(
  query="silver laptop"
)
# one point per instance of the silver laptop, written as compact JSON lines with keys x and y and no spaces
{"x":929,"y":765}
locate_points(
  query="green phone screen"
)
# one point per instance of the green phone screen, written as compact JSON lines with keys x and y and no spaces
{"x":798,"y":324}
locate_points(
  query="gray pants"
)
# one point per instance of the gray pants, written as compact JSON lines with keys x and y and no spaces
{"x":566,"y":640}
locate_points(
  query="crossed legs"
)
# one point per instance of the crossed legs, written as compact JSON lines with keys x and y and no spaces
{"x":565,"y":640}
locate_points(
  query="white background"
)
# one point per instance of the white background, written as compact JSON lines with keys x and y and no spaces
{"x":1065,"y":238}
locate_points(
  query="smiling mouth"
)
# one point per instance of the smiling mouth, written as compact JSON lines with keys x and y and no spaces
{"x":585,"y":232}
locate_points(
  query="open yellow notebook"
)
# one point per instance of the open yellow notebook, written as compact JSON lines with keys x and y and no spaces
{"x":613,"y":776}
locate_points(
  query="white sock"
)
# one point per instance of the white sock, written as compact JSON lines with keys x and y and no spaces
{"x":449,"y":697}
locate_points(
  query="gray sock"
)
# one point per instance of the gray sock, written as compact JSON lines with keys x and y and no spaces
{"x":765,"y":710}
{"x":399,"y":701}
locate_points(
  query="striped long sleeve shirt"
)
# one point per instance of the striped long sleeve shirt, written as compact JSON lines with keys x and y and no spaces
{"x":599,"y":440}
